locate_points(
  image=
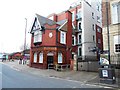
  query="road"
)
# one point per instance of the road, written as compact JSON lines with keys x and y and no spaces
{"x":16,"y":79}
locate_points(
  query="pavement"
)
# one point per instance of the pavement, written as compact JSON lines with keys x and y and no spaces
{"x":82,"y":76}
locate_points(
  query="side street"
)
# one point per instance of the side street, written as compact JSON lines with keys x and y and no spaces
{"x":78,"y":76}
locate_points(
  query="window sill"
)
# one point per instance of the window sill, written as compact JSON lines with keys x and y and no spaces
{"x":37,"y":43}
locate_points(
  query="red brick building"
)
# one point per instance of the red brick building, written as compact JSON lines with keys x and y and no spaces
{"x":51,"y":40}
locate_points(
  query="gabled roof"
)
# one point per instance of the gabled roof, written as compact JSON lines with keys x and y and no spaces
{"x":43,"y":20}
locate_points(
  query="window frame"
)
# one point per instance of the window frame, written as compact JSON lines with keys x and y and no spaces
{"x":79,"y":51}
{"x":117,"y":48}
{"x":35,"y":58}
{"x":73,"y":36}
{"x":37,"y":36}
{"x":62,"y":40}
{"x":79,"y":28}
{"x":93,"y":15}
{"x":40,"y":58}
{"x":60,"y":58}
{"x":115,"y":12}
{"x":79,"y":41}
{"x":116,"y":42}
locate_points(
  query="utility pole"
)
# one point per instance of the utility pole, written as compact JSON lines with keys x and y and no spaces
{"x":107,"y":19}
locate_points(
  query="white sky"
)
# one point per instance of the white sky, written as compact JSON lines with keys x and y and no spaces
{"x":12,"y":19}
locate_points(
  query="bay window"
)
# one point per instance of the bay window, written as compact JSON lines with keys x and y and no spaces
{"x":37,"y":36}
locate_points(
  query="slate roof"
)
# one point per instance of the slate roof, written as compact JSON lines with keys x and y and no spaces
{"x":44,"y":20}
{"x":62,"y":22}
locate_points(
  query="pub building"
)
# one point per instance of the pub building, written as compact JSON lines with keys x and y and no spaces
{"x":51,"y":40}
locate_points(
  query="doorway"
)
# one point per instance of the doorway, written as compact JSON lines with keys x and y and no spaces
{"x":50,"y":62}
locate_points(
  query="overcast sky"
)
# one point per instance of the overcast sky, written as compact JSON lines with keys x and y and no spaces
{"x":12,"y":19}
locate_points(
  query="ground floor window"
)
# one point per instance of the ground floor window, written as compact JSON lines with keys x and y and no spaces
{"x":41,"y":58}
{"x":59,"y":57}
{"x":117,"y":44}
{"x":35,"y":58}
{"x":117,"y":47}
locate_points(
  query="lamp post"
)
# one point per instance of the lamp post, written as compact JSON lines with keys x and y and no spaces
{"x":107,"y":22}
{"x":25,"y":38}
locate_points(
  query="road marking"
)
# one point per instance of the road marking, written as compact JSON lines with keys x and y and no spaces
{"x":107,"y":87}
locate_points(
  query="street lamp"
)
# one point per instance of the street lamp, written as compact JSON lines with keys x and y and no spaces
{"x":25,"y":38}
{"x":107,"y":19}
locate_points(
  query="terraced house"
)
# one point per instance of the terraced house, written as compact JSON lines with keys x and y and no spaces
{"x":56,"y":39}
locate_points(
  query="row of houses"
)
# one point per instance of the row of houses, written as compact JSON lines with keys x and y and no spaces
{"x":78,"y":31}
{"x":15,"y":55}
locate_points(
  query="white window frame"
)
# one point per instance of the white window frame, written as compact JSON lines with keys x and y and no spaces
{"x":37,"y":36}
{"x":60,"y":59}
{"x":35,"y":58}
{"x":79,"y":51}
{"x":116,"y":42}
{"x":79,"y":27}
{"x":117,"y":50}
{"x":78,"y":38}
{"x":40,"y":57}
{"x":62,"y":37}
{"x":115,"y":12}
{"x":73,"y":36}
